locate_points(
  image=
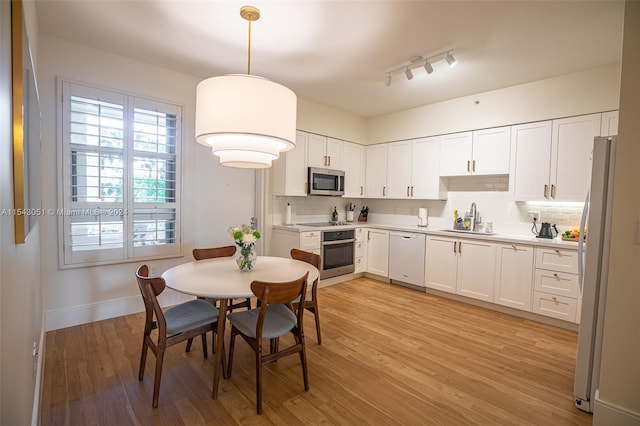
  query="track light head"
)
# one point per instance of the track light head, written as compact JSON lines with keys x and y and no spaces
{"x":408,"y":73}
{"x":387,"y":80}
{"x":451,"y":60}
{"x":428,"y":68}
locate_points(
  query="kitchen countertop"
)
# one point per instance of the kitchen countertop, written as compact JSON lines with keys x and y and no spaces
{"x":498,"y":238}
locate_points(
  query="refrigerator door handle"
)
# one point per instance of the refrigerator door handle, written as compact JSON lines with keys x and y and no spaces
{"x":583,"y":223}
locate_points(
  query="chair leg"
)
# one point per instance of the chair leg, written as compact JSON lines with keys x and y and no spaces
{"x":188,"y":348}
{"x":317,"y":317}
{"x":156,"y":381}
{"x":143,"y":357}
{"x":231,"y":348}
{"x":303,"y":361}
{"x":204,"y":345}
{"x":248,"y":303}
{"x":259,"y":378}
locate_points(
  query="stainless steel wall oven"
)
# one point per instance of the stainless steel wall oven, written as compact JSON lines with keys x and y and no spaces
{"x":337,"y":253}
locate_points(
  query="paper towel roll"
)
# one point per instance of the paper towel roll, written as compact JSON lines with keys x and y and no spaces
{"x":287,"y":215}
{"x":423,"y":219}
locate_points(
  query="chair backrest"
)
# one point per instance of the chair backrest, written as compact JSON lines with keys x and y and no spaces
{"x":150,"y":288}
{"x":283,"y":293}
{"x":210,"y":253}
{"x":306,"y":256}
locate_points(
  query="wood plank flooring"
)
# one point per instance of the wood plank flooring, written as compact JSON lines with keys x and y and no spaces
{"x":390,"y":356}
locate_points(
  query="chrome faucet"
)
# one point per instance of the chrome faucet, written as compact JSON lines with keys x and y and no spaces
{"x":473,"y":213}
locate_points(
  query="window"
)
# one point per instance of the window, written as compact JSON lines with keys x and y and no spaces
{"x":120,"y":176}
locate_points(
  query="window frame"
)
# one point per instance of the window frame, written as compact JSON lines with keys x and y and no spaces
{"x":128,"y":252}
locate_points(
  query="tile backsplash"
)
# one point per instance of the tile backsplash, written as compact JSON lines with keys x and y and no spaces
{"x":496,"y":206}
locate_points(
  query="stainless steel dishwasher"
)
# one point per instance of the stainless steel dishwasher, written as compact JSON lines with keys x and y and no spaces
{"x":407,"y":257}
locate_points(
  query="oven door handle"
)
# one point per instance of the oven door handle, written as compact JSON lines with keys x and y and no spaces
{"x":331,"y":243}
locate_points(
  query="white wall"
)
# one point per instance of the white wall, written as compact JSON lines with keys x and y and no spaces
{"x":20,"y":278}
{"x":619,"y":396}
{"x":324,"y":120}
{"x":579,"y":93}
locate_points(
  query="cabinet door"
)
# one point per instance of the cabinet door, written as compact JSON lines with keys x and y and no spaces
{"x":491,"y":151}
{"x":532,"y":143}
{"x":353,"y":170}
{"x":334,"y":153}
{"x":425,"y":170}
{"x":375,"y":185}
{"x":289,"y":172}
{"x":378,"y":252}
{"x":572,"y":143}
{"x":514,"y":266}
{"x":442,"y":261}
{"x":476,"y":269}
{"x":455,"y":154}
{"x":609,"y":125}
{"x":317,"y":151}
{"x":399,"y":170}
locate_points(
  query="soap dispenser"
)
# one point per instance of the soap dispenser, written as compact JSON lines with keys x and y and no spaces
{"x":334,"y":215}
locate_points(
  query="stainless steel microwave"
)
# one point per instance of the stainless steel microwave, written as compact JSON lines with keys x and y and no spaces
{"x":325,"y":182}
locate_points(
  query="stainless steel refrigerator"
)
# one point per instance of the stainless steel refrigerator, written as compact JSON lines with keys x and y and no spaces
{"x":593,"y":268}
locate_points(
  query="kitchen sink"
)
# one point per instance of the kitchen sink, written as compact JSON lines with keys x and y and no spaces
{"x":467,"y":231}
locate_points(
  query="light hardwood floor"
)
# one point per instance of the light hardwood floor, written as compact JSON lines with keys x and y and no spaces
{"x":390,"y":356}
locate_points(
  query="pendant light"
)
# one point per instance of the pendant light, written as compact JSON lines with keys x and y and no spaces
{"x":246,"y":120}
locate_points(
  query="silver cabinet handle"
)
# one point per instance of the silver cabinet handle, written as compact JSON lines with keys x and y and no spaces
{"x":546,"y":187}
{"x":412,"y":191}
{"x":553,"y":191}
{"x":408,"y":192}
{"x":384,"y":191}
{"x":362,"y":190}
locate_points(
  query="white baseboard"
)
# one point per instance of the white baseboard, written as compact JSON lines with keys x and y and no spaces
{"x":37,"y":391}
{"x":606,"y":413}
{"x":83,"y":314}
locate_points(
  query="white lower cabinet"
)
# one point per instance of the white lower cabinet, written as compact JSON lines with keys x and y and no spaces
{"x":378,"y":252}
{"x":464,"y":267}
{"x":514,"y":276}
{"x":360,"y":251}
{"x":555,"y":289}
{"x":282,"y":241}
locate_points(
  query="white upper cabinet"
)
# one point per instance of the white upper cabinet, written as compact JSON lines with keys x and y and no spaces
{"x":553,"y":158}
{"x":491,"y":151}
{"x":413,"y":169}
{"x":532,"y":145}
{"x":481,"y":152}
{"x":455,"y":154}
{"x":609,"y":126}
{"x":375,"y":185}
{"x":353,"y":164}
{"x":324,"y":152}
{"x":399,"y":170}
{"x":289,"y":172}
{"x":425,"y":169}
{"x":571,"y":147}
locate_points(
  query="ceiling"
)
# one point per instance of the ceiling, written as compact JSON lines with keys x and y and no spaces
{"x":338,"y":53}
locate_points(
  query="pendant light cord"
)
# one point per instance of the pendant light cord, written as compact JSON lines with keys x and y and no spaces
{"x":249,"y":52}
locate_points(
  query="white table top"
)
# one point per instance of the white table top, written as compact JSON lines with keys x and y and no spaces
{"x":220,"y":278}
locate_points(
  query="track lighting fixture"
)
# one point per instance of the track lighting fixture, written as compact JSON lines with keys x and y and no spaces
{"x":451,"y":60}
{"x":408,"y":73}
{"x":428,"y":68}
{"x":416,"y":62}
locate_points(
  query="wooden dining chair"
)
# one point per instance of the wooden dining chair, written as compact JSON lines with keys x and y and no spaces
{"x":224,"y":251}
{"x":176,"y":324}
{"x":274,"y":318}
{"x":310,"y":303}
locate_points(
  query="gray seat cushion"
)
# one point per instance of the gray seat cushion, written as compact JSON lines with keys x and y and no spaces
{"x":277,"y":321}
{"x":188,"y":315}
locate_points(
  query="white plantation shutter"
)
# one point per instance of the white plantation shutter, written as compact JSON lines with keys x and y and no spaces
{"x":120,"y":176}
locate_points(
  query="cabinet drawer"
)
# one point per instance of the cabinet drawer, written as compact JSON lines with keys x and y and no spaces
{"x":559,"y":283}
{"x":557,"y":260}
{"x":310,"y":240}
{"x":359,"y":265}
{"x":360,"y":234}
{"x":555,"y":306}
{"x":359,"y":249}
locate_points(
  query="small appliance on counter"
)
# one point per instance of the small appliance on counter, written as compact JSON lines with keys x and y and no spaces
{"x":423,"y":218}
{"x":547,"y":230}
{"x":364,"y":212}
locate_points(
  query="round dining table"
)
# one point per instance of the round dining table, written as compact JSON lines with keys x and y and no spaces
{"x":220,"y":278}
